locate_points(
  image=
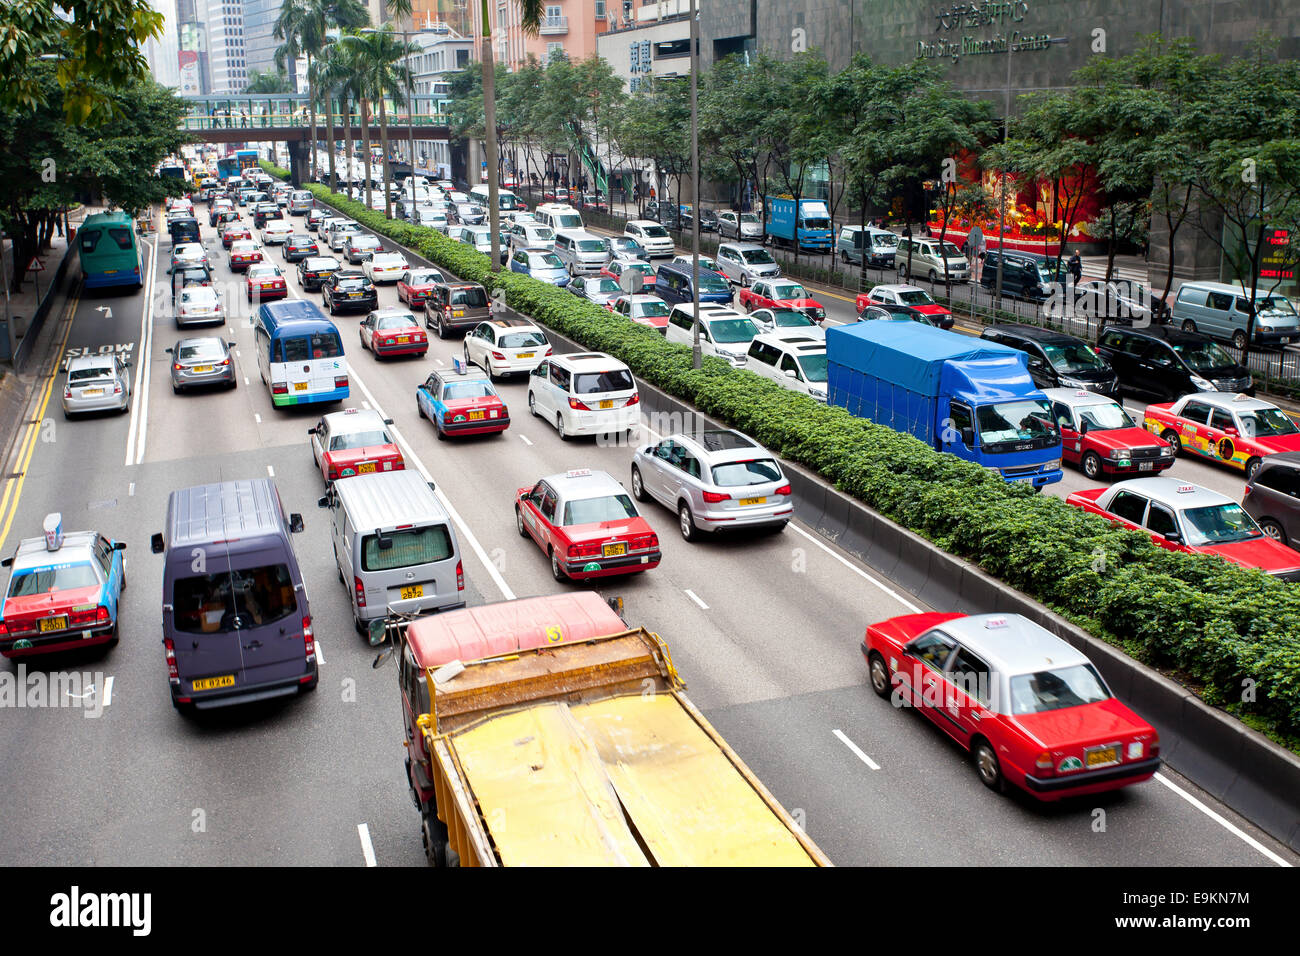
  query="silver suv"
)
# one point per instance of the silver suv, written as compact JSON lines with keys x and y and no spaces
{"x":743,"y":262}
{"x":714,"y":480}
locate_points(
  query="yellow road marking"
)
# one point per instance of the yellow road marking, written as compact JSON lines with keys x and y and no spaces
{"x":9,"y":507}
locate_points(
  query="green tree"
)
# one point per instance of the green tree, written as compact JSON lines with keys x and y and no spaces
{"x":384,"y":74}
{"x":259,"y":82}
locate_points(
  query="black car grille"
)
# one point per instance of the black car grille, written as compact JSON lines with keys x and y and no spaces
{"x":1232,"y":384}
{"x":1021,"y":472}
{"x":1145,"y":454}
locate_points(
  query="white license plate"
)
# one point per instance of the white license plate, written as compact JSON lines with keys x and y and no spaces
{"x":1146,"y":466}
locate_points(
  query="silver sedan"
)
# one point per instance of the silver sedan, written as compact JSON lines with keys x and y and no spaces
{"x":96,"y":383}
{"x":202,"y":360}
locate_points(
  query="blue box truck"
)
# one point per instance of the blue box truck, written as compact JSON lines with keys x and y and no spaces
{"x":966,"y":396}
{"x":813,"y":230}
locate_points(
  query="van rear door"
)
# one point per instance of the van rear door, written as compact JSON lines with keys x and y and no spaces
{"x":418,"y":571}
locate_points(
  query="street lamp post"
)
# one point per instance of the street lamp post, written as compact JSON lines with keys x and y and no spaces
{"x":696,"y":357}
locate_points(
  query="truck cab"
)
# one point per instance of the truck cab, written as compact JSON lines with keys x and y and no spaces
{"x":810,"y":228}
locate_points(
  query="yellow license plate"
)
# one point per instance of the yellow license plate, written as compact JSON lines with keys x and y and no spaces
{"x":54,"y":623}
{"x":606,"y":403}
{"x":212,"y":683}
{"x":92,"y":391}
{"x":753,"y":501}
{"x":1101,"y":757}
{"x":525,"y":355}
{"x":458,"y":313}
{"x":366,"y":468}
{"x":300,"y":386}
{"x":475,"y":416}
{"x":202,"y":368}
{"x":403,"y":340}
{"x":414,"y":591}
{"x":614,"y":550}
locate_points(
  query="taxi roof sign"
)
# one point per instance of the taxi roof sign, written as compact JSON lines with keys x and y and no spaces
{"x":1241,"y":397}
{"x":53,"y":528}
{"x":1186,"y":489}
{"x":578,"y":473}
{"x":996,"y":622}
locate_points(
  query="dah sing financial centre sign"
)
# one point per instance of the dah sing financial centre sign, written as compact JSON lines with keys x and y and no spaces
{"x":974,"y":16}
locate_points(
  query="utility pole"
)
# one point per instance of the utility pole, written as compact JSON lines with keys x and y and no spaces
{"x":695,"y":185}
{"x":490,"y":136}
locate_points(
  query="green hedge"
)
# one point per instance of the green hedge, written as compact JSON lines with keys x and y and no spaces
{"x":274,"y":170}
{"x":1221,"y":628}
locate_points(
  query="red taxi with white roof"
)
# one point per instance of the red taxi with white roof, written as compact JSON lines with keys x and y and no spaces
{"x":233,"y":232}
{"x":1183,"y":517}
{"x":264,"y":282}
{"x":647,"y":310}
{"x":1233,"y":429}
{"x":780,"y":294}
{"x":393,"y":332}
{"x":908,"y":295}
{"x":587,"y":525}
{"x":243,"y":253}
{"x":461,"y":401}
{"x":416,"y":285}
{"x":1100,"y":438}
{"x":1032,"y":711}
{"x":354,"y":441}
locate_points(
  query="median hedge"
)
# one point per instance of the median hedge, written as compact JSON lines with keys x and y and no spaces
{"x":1229,"y":631}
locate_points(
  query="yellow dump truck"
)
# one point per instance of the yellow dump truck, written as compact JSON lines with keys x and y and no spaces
{"x":545,"y":732}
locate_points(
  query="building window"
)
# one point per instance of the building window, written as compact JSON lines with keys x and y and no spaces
{"x":553,"y":48}
{"x":600,"y":9}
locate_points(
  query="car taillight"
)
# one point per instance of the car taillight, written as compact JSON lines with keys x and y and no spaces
{"x":177,"y":365}
{"x":501,"y":358}
{"x":460,"y":577}
{"x":783,"y":490}
{"x":635,"y":399}
{"x":169,"y":652}
{"x":588,"y":550}
{"x":224,"y":361}
{"x":333,"y":473}
{"x":279,"y":388}
{"x":578,"y":405}
{"x":1246,"y":493}
{"x":713,"y":497}
{"x":67,"y":391}
{"x":646,"y":541}
{"x":340,"y":381}
{"x":4,"y":628}
{"x":309,"y":639}
{"x":361,"y":592}
{"x":548,"y":351}
{"x":1043,"y":761}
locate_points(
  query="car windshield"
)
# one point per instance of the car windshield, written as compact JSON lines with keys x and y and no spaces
{"x":736,"y":474}
{"x":228,"y":601}
{"x":1219,"y":524}
{"x":1075,"y":357}
{"x":1202,"y":356}
{"x":545,"y":260}
{"x":591,"y":245}
{"x":1056,"y":689}
{"x":1266,"y":423}
{"x":1016,"y":423}
{"x":359,"y":440}
{"x":650,"y":310}
{"x":202,"y":349}
{"x":655,"y":232}
{"x":473,"y":298}
{"x":788,"y":290}
{"x":950,"y":251}
{"x":474,"y":389}
{"x":594,"y":510}
{"x":594,"y":383}
{"x":1105,"y":417}
{"x":623,"y":243}
{"x":756,"y":257}
{"x":884,"y":240}
{"x":748,"y":217}
{"x":814,"y":366}
{"x":732,"y":330}
{"x":915,"y":297}
{"x":402,"y":320}
{"x":539,"y":232}
{"x":522,"y":340}
{"x":713,"y":283}
{"x":606,"y":285}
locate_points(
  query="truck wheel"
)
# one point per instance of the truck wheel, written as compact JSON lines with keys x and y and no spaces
{"x":1092,"y":465}
{"x":638,"y":488}
{"x":879,"y":675}
{"x":433,"y":832}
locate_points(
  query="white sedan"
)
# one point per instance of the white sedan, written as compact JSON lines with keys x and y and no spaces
{"x":189,"y":254}
{"x":385,"y":266}
{"x":276,"y":232}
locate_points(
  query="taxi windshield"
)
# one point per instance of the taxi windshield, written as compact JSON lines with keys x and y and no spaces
{"x":453,"y":391}
{"x":1201,"y":356}
{"x":594,"y":510}
{"x":1266,"y":423}
{"x":915,"y":297}
{"x":788,"y":290}
{"x":1219,"y":524}
{"x":1056,"y":689}
{"x":730,"y":331}
{"x":419,"y":278}
{"x":1105,"y":417}
{"x":603,"y":285}
{"x":1075,"y":357}
{"x":791,"y":318}
{"x":650,"y":310}
{"x":1005,"y":425}
{"x":58,"y":578}
{"x":359,"y":440}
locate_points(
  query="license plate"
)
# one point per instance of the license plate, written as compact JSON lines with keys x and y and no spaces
{"x":54,"y":623}
{"x":300,"y":386}
{"x":475,"y":416}
{"x":460,"y":314}
{"x":606,"y":403}
{"x":614,"y":550}
{"x":92,"y":391}
{"x":520,"y":355}
{"x":414,"y":591}
{"x":1100,"y":757}
{"x":1146,"y":466}
{"x":753,"y":501}
{"x":366,"y":468}
{"x":212,"y":683}
{"x":403,"y":340}
{"x":355,"y":295}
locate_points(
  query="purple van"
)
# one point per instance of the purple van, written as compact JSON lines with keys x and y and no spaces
{"x":236,"y":624}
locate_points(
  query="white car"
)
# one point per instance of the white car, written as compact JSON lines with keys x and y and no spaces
{"x":198,"y":304}
{"x":506,"y":347}
{"x":653,"y":237}
{"x":585,"y":393}
{"x":276,"y":232}
{"x":385,"y":266}
{"x":792,"y":359}
{"x":189,"y":254}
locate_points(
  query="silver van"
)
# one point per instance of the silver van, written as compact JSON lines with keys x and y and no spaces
{"x":743,"y":262}
{"x":339,"y":231}
{"x":581,"y":252}
{"x":1222,"y":311}
{"x":300,"y":202}
{"x":879,"y":245}
{"x":925,"y":257}
{"x":394,"y":545}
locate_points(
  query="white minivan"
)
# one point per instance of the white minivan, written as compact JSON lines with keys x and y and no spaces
{"x":724,"y":332}
{"x":559,"y":215}
{"x":394,"y":545}
{"x":792,"y":359}
{"x":585,"y":393}
{"x":582,"y":252}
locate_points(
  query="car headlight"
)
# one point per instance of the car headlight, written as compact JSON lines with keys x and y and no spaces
{"x":1121,"y":454}
{"x":1167,"y":451}
{"x":1052,"y":465}
{"x":1202,"y":384}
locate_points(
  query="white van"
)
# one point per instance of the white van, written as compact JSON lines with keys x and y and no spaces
{"x":300,"y":202}
{"x":724,"y":332}
{"x":792,"y":359}
{"x":506,"y":200}
{"x":585,"y":393}
{"x":559,"y":215}
{"x":581,"y":252}
{"x":394,"y":545}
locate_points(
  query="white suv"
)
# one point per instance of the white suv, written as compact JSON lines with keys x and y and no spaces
{"x":653,"y":237}
{"x":506,"y":347}
{"x":793,"y":359}
{"x":585,"y":393}
{"x":724,"y":332}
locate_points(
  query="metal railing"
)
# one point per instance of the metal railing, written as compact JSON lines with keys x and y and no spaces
{"x":303,"y":121}
{"x":552,"y":26}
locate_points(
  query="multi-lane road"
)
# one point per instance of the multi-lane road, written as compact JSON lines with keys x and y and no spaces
{"x":764,"y":629}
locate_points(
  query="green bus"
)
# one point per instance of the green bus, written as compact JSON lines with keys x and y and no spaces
{"x":110,"y":255}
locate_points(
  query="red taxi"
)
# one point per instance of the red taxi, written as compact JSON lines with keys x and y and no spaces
{"x":233,"y":232}
{"x":243,"y":253}
{"x":354,"y":441}
{"x":416,"y":285}
{"x":264,"y":282}
{"x":393,"y":332}
{"x":461,"y":401}
{"x":1032,"y":710}
{"x":908,"y":295}
{"x":1233,"y":429}
{"x":647,"y":310}
{"x":1182,"y":517}
{"x":1100,"y":439}
{"x":587,"y":524}
{"x":780,"y":294}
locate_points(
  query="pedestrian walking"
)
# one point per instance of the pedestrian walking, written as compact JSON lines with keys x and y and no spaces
{"x":1075,"y":267}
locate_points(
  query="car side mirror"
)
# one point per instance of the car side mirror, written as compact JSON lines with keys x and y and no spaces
{"x":295,"y":523}
{"x":7,"y":563}
{"x":1173,"y":537}
{"x":119,"y":545}
{"x":432,"y":486}
{"x":968,"y":437}
{"x":323,"y":501}
{"x":156,"y":543}
{"x":312,"y":430}
{"x":232,"y":344}
{"x":168,"y":350}
{"x":1083,"y":427}
{"x":789,"y":373}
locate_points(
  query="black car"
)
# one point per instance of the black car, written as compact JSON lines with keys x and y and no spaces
{"x":1165,"y":363}
{"x":190,"y":275}
{"x":892,"y":311}
{"x":184,"y":229}
{"x":264,"y":212}
{"x":299,"y":246}
{"x":1025,"y":275}
{"x":349,"y":290}
{"x":1057,"y":360}
{"x":314,"y":270}
{"x":708,"y":220}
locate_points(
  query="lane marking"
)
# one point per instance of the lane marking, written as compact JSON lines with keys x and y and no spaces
{"x":130,"y":490}
{"x":696,"y":598}
{"x":1226,"y":824}
{"x":245,"y":379}
{"x":270,"y":471}
{"x":320,"y":654}
{"x":816,"y":539}
{"x":365,"y":405}
{"x":525,"y":439}
{"x":144,"y":360}
{"x":257,"y":418}
{"x":108,"y":690}
{"x":856,"y":749}
{"x":367,"y":848}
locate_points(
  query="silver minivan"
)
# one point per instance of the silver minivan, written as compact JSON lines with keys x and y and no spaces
{"x":1222,"y":311}
{"x":394,"y":545}
{"x":878,"y":244}
{"x":925,"y":257}
{"x":300,"y":202}
{"x":743,"y":262}
{"x":581,"y":252}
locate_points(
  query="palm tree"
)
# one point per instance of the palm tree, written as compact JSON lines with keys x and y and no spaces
{"x":321,"y":84}
{"x":259,"y":82}
{"x":341,"y":77}
{"x":384,"y":74}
